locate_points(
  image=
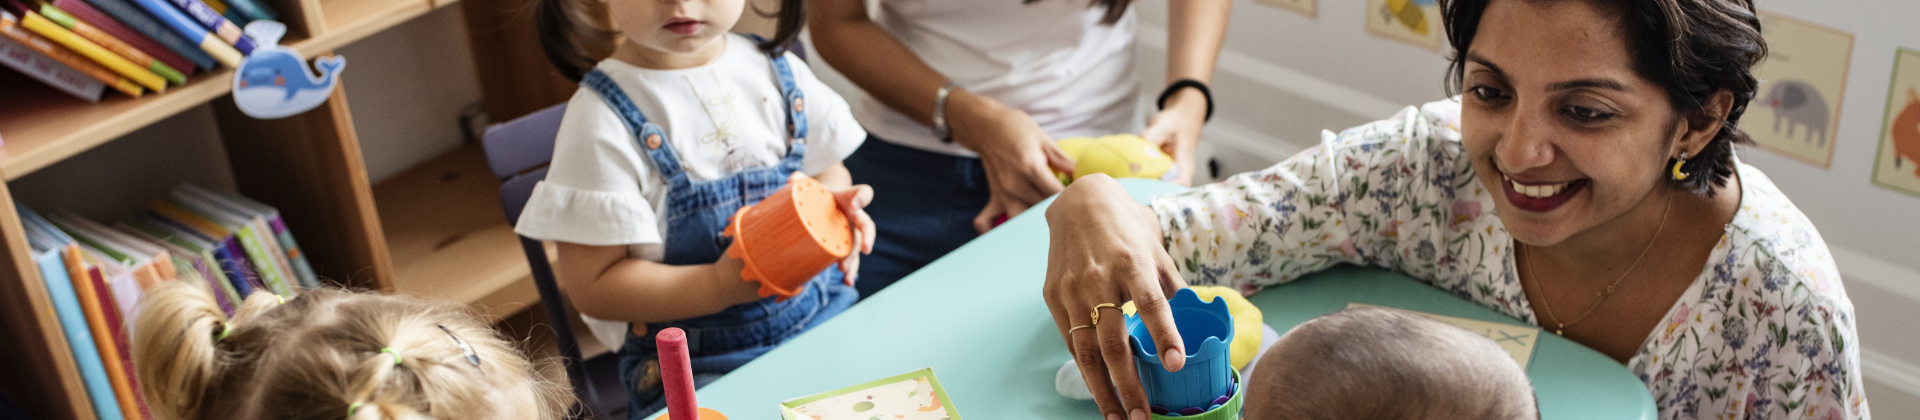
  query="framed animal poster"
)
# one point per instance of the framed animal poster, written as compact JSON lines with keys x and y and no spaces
{"x":1305,"y":7}
{"x":1796,"y":112}
{"x":1415,"y":22}
{"x":1898,"y":166}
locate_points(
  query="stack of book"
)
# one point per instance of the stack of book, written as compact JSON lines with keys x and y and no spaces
{"x":96,"y":272}
{"x":86,"y":47}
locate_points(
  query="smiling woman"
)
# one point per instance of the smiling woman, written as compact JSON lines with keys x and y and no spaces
{"x":1582,"y":181}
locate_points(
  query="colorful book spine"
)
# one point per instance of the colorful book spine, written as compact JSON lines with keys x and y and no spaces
{"x":131,"y":404}
{"x":93,"y":16}
{"x":191,"y":29}
{"x":34,"y":22}
{"x":11,"y":29}
{"x":226,"y":249}
{"x":253,"y":9}
{"x":216,"y":24}
{"x":132,"y":16}
{"x":83,"y":322}
{"x":229,"y":13}
{"x":301,"y":267}
{"x":49,"y":71}
{"x":125,"y":50}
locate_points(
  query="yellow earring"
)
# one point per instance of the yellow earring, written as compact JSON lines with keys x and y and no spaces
{"x":1677,"y":175}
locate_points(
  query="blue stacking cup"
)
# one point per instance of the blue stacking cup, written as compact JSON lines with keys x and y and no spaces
{"x":1206,"y":328}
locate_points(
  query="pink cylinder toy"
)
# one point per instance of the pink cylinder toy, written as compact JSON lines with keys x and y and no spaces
{"x":676,"y":374}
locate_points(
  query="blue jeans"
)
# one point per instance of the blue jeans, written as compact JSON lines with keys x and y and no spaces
{"x":923,"y":204}
{"x":723,"y":342}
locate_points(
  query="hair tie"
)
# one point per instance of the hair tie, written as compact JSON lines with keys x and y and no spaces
{"x":396,"y":355}
{"x":281,"y":299}
{"x":224,"y":329}
{"x":352,"y":408}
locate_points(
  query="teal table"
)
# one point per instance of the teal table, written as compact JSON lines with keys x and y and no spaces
{"x":977,"y":318}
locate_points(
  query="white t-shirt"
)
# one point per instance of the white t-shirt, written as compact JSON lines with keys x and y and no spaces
{"x":1050,"y":58}
{"x":719,"y":118}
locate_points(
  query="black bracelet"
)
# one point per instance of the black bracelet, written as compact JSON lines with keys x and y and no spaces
{"x":1188,"y":83}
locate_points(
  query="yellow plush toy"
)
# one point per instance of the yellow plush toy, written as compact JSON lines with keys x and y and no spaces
{"x":1118,"y":156}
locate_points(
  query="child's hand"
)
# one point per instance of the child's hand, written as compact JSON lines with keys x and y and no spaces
{"x":853,"y":200}
{"x":727,"y":281}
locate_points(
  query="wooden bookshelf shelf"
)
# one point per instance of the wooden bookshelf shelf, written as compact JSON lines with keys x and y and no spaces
{"x":351,"y":20}
{"x":449,"y":237}
{"x":44,"y":126}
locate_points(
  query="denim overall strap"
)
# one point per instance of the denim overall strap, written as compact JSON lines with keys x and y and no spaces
{"x":789,"y":90}
{"x":663,"y":157}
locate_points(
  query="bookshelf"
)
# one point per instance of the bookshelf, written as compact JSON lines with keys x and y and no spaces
{"x":435,"y":230}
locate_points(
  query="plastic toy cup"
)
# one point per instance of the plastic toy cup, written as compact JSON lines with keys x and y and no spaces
{"x":790,"y":236}
{"x":1206,"y":330}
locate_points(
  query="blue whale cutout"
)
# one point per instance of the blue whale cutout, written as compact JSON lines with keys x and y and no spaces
{"x":273,"y":81}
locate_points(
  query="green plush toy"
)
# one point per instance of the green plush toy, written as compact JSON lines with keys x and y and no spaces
{"x":1118,"y":156}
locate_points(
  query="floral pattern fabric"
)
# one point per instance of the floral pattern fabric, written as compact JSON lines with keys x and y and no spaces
{"x":1766,"y":331}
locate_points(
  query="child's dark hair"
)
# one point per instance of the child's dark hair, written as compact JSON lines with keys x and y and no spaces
{"x":1693,"y":48}
{"x":576,"y":33}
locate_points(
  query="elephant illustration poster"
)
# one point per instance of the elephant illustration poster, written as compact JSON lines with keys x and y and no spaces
{"x":1898,"y":166}
{"x":1797,"y":110}
{"x":1414,"y":22}
{"x":1305,"y":7}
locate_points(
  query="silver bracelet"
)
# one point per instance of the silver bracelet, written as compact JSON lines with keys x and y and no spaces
{"x":940,"y":129}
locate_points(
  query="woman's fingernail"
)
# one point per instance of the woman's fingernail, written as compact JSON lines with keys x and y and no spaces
{"x":1139,"y":414}
{"x":1114,"y":416}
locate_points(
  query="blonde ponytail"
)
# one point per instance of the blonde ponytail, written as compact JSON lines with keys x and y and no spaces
{"x":175,"y":350}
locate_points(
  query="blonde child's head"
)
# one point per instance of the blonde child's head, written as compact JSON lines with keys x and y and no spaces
{"x":1377,"y":363}
{"x":331,"y":354}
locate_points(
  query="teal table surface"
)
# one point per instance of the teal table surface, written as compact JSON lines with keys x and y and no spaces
{"x":977,"y":318}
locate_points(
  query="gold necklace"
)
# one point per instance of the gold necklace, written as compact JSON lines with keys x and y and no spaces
{"x":1561,"y":327}
{"x":723,"y":133}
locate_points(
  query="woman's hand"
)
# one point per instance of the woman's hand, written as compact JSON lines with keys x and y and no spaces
{"x":1177,"y":130}
{"x":1106,"y":248}
{"x":854,"y":200}
{"x":1018,"y":156}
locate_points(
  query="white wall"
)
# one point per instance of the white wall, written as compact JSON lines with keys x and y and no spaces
{"x":1285,"y":76}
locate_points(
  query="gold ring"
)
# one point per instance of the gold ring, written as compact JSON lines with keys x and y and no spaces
{"x":1096,"y":312}
{"x":1071,"y":330}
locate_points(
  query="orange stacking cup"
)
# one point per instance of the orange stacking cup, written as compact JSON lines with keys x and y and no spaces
{"x":789,"y":237}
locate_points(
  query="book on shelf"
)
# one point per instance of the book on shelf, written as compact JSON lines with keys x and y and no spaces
{"x":186,"y":26}
{"x":228,"y":12}
{"x":139,"y":40}
{"x":49,"y":71}
{"x":189,"y":256}
{"x":121,"y":48}
{"x":96,"y":274}
{"x":258,"y":246}
{"x":266,"y":219}
{"x":216,"y":24}
{"x":137,"y":19}
{"x":254,"y":9}
{"x":39,"y":24}
{"x":78,"y":311}
{"x":10,"y":29}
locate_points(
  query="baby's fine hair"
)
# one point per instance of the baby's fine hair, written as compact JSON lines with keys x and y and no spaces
{"x":1378,"y":363}
{"x":332,"y":354}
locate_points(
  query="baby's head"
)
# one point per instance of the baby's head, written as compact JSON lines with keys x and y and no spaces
{"x":1377,"y":363}
{"x":329,"y":354}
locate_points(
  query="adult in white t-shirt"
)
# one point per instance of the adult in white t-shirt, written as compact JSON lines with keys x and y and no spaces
{"x":1015,"y":74}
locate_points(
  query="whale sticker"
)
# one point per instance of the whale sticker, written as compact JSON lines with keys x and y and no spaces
{"x":273,"y":81}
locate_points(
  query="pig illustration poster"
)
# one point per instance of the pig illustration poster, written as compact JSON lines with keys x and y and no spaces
{"x":1305,"y":7}
{"x":1898,"y":166}
{"x":1414,"y":22}
{"x":1797,"y":110}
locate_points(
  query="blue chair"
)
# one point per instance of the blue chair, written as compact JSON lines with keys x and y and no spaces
{"x":518,"y":152}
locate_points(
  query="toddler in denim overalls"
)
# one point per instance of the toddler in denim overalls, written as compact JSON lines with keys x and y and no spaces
{"x":617,"y":171}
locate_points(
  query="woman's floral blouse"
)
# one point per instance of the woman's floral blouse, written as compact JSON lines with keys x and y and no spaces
{"x":1766,"y":331}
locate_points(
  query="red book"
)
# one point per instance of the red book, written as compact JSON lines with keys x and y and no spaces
{"x":98,"y":19}
{"x":122,"y":342}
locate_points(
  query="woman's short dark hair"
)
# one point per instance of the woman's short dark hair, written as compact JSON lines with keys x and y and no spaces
{"x":1693,"y":48}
